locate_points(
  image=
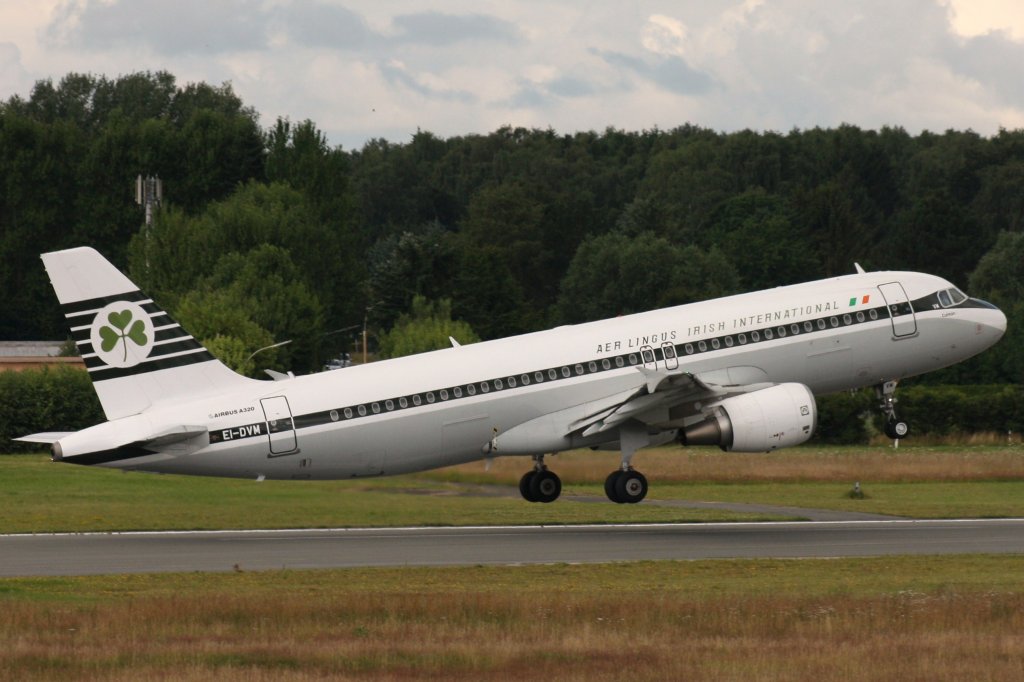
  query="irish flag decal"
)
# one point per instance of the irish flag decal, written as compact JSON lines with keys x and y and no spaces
{"x":864,"y":300}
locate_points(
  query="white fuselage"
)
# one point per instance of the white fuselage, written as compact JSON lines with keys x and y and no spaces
{"x":431,"y":410}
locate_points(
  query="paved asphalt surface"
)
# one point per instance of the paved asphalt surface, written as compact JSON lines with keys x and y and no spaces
{"x":97,"y":553}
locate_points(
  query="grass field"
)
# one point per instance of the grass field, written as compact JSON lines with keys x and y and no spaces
{"x":902,"y":618}
{"x":929,"y":482}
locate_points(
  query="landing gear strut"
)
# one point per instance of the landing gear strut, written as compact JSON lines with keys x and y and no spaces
{"x":626,"y":485}
{"x":539,"y":484}
{"x":895,"y":428}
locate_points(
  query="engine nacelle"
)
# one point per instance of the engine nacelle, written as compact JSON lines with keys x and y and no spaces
{"x":772,"y":418}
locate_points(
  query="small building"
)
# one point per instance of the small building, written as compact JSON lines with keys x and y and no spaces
{"x":19,"y":355}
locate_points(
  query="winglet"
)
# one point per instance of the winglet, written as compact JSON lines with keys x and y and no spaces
{"x":860,"y":270}
{"x":455,"y":344}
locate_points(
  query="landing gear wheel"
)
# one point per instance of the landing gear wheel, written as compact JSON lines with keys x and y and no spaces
{"x":610,"y":483}
{"x":895,"y":428}
{"x":631,"y":487}
{"x":524,"y":485}
{"x":545,"y":486}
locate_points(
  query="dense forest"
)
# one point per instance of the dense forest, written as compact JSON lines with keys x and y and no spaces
{"x":268,"y":233}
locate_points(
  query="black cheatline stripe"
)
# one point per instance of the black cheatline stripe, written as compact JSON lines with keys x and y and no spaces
{"x":828,"y":323}
{"x":151,"y":366}
{"x":97,"y":303}
{"x":83,"y":334}
{"x":175,"y":347}
{"x":84,"y":347}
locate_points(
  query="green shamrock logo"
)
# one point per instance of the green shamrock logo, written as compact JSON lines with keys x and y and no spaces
{"x":122,"y":332}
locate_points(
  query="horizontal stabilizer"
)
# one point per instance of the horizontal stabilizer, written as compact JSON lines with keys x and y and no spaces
{"x":47,"y":437}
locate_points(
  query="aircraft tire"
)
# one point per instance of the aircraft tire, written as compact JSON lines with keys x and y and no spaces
{"x":545,"y":486}
{"x":524,"y":485}
{"x":610,"y":485}
{"x":631,"y":487}
{"x":896,"y":428}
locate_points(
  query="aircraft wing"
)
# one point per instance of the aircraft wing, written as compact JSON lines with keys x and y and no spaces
{"x":669,"y":391}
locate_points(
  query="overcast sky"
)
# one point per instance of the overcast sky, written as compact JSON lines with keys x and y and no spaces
{"x":363,"y":69}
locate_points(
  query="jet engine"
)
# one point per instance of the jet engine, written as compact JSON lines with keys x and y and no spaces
{"x":761,"y":421}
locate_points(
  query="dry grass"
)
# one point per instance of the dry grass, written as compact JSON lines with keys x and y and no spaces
{"x":794,"y":465}
{"x":566,"y":627}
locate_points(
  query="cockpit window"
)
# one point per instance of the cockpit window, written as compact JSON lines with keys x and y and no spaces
{"x":951,"y":297}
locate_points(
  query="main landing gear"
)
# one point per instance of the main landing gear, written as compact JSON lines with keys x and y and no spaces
{"x":539,"y":484}
{"x":895,"y":428}
{"x":625,"y":485}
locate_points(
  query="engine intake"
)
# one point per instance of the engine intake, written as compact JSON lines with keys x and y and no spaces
{"x":765,"y":420}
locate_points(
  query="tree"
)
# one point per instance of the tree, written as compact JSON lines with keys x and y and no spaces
{"x":428,"y":327}
{"x":616,"y":275}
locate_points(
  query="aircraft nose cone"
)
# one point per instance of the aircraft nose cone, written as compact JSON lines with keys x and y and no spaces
{"x":999,"y":322}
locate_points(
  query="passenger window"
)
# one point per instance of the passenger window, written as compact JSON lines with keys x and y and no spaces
{"x":417,"y":400}
{"x":566,"y":373}
{"x":833,"y":321}
{"x":348,"y":413}
{"x":821,"y":323}
{"x":619,"y":361}
{"x":808,"y":326}
{"x":579,"y":370}
{"x":767,"y":334}
{"x":755,"y":337}
{"x":376,"y":408}
{"x":847,"y":320}
{"x":689,"y":349}
{"x":794,"y":328}
{"x":702,"y":346}
{"x":457,"y":391}
{"x":403,"y":403}
{"x":389,"y":405}
{"x":742,"y":338}
{"x":538,"y":377}
{"x":485,"y":387}
{"x":443,"y":393}
{"x":552,"y":374}
{"x":860,"y":316}
{"x":471,"y":389}
{"x":606,"y":363}
{"x":592,"y":366}
{"x":716,"y":344}
{"x":728,"y":342}
{"x":781,"y":331}
{"x":431,"y":398}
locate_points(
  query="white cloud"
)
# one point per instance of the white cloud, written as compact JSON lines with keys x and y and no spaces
{"x":362,"y":69}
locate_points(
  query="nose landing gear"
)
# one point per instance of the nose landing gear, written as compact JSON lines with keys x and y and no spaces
{"x":895,"y":428}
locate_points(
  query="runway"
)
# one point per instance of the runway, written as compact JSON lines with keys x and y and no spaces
{"x":152,"y":552}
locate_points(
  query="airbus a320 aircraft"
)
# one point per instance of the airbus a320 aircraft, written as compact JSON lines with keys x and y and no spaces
{"x":740,"y":372}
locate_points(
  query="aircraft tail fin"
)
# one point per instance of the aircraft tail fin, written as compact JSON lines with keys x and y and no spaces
{"x":136,"y":355}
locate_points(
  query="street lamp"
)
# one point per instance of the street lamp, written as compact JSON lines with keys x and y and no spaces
{"x":273,"y":345}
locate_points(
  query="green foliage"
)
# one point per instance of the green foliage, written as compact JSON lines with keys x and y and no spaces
{"x":257,"y":298}
{"x":51,"y":399}
{"x":616,"y":275}
{"x":942,"y":410}
{"x":426,"y":328}
{"x":843,"y":417}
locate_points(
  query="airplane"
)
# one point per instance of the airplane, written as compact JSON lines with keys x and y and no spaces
{"x":740,"y":372}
